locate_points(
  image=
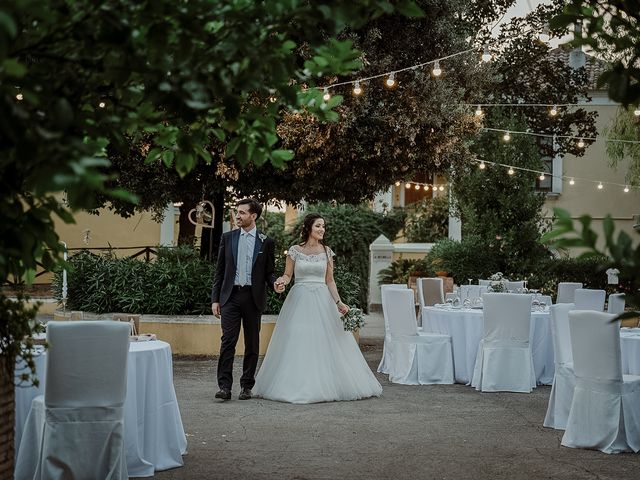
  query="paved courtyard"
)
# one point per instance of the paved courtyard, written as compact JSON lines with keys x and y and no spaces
{"x":412,"y":432}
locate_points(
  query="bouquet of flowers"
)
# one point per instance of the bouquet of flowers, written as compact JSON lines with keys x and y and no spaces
{"x":353,"y":319}
{"x":497,"y":283}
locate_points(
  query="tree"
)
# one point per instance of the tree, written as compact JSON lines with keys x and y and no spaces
{"x":76,"y":76}
{"x":626,"y":126}
{"x":610,"y":28}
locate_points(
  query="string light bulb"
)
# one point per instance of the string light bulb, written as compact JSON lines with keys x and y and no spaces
{"x":441,"y":188}
{"x":542,"y":177}
{"x":398,"y":183}
{"x":482,"y":165}
{"x":626,"y":189}
{"x":391,"y":80}
{"x":511,"y":171}
{"x":479,"y":111}
{"x":506,"y":137}
{"x":600,"y":186}
{"x":486,"y":56}
{"x":417,"y":187}
{"x":357,"y":90}
{"x":426,"y":187}
{"x":636,"y":112}
{"x":326,"y":95}
{"x":581,"y":143}
{"x":554,"y":111}
{"x":19,"y":97}
{"x":572,"y":182}
{"x":102,"y":104}
{"x":407,"y":185}
{"x":437,"y":71}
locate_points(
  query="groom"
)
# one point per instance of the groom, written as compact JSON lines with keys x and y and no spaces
{"x":245,"y":267}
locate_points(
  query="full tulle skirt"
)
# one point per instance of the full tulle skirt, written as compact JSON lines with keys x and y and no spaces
{"x":310,"y":357}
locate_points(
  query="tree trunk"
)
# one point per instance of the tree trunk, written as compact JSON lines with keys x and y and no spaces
{"x":7,"y":416}
{"x":186,"y":234}
{"x":218,"y":205}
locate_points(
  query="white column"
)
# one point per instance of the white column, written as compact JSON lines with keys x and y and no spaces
{"x":167,"y":226}
{"x":380,"y":257}
{"x":455,"y":224}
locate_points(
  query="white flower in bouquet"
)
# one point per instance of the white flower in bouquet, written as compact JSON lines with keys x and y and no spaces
{"x":353,"y":320}
{"x":497,"y":283}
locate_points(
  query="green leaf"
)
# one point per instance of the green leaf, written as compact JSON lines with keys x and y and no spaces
{"x":282,"y":155}
{"x":8,"y":24}
{"x":14,"y":68}
{"x":410,"y":9}
{"x":167,"y":157}
{"x":153,"y":155}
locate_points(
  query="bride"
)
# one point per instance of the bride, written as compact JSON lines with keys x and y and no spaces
{"x":310,"y":357}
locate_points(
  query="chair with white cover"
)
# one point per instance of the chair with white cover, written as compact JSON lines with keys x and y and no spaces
{"x":430,"y":291}
{"x":504,"y":362}
{"x":564,"y":380}
{"x":605,"y":411}
{"x":616,"y":303}
{"x":415,"y":358}
{"x":484,"y":283}
{"x":515,"y":285}
{"x":384,"y":361}
{"x":590,"y":299}
{"x":81,"y":431}
{"x":566,"y":292}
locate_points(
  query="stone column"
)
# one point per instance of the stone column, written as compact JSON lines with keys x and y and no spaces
{"x":167,"y":225}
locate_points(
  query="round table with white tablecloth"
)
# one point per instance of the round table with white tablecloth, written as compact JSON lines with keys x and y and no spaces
{"x":466,"y":328}
{"x":153,"y":432}
{"x":630,"y":350}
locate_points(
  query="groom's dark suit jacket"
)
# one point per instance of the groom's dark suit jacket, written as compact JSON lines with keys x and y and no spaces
{"x":262,"y":272}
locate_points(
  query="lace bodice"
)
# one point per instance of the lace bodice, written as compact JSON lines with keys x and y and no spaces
{"x":309,"y":268}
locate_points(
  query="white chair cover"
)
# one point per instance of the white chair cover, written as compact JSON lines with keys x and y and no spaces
{"x":605,"y":411}
{"x":566,"y":292}
{"x":504,"y":361}
{"x":384,"y":361}
{"x":515,"y":285}
{"x":484,"y":283}
{"x":616,"y":303}
{"x":414,"y":359}
{"x":430,"y":291}
{"x":590,"y":299}
{"x":564,"y":380}
{"x":82,"y":434}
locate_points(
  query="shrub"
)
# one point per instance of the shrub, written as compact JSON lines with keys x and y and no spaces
{"x":400,"y":270}
{"x":470,"y":258}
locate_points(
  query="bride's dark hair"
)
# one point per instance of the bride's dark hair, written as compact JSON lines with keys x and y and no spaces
{"x":307,"y":224}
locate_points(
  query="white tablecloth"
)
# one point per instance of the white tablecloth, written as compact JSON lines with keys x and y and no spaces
{"x":466,"y":327}
{"x":630,"y":350}
{"x":153,"y":431}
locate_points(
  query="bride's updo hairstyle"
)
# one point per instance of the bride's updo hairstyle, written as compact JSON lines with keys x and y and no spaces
{"x":309,"y":220}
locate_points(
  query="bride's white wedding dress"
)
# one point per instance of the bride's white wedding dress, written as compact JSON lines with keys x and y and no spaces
{"x":310,"y":357}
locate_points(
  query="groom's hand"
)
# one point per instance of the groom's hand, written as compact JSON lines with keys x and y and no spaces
{"x":215,"y":308}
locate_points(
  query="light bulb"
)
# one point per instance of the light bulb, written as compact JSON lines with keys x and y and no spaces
{"x":441,"y":188}
{"x":581,"y":143}
{"x":273,"y":99}
{"x":482,"y":166}
{"x":397,"y":183}
{"x":478,"y":111}
{"x":542,"y":177}
{"x":511,"y":171}
{"x":407,"y":185}
{"x":102,"y":104}
{"x":572,"y":182}
{"x":506,"y":137}
{"x":437,"y":71}
{"x":626,"y":189}
{"x":356,"y":89}
{"x":326,"y":95}
{"x":636,"y":112}
{"x":417,"y":187}
{"x":426,"y":187}
{"x":19,"y":97}
{"x":486,"y":56}
{"x":391,"y":81}
{"x":600,"y":186}
{"x":554,"y":111}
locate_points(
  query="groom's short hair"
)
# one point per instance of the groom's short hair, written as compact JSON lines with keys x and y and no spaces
{"x":254,"y":206}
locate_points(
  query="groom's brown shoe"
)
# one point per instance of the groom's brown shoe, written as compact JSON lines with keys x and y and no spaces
{"x":224,"y":394}
{"x":245,"y":394}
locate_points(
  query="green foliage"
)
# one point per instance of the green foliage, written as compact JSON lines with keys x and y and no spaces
{"x":429,"y":220}
{"x":588,"y":271}
{"x":610,"y":28}
{"x":177,"y":282}
{"x":619,"y":252}
{"x":625,"y":126}
{"x":272,"y":223}
{"x":400,"y":270}
{"x":473,"y":257}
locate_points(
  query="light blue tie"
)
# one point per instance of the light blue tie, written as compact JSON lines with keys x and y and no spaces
{"x":242,"y":259}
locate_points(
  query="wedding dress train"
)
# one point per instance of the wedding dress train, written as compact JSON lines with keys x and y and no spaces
{"x":310,"y":357}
